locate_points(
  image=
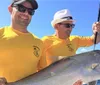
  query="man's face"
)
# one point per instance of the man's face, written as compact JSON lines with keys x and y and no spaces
{"x":22,"y":14}
{"x":65,"y":27}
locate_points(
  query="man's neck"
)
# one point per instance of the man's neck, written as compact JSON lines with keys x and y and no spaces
{"x":19,"y":28}
{"x":61,"y":36}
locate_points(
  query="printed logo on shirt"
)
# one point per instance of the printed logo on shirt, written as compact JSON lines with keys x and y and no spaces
{"x":70,"y":47}
{"x":36,"y":51}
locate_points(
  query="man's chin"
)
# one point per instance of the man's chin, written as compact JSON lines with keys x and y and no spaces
{"x":68,"y":35}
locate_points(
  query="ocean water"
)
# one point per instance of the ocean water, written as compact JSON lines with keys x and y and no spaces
{"x":98,"y":82}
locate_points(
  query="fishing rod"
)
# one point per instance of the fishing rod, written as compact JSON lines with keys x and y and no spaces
{"x":98,"y":20}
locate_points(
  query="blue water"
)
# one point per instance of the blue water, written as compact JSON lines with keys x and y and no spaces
{"x":98,"y":82}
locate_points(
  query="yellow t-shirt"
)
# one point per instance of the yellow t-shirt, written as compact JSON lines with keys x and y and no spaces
{"x":20,"y":54}
{"x":55,"y":47}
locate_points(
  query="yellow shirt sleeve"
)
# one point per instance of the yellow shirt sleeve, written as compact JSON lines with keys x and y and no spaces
{"x":83,"y":41}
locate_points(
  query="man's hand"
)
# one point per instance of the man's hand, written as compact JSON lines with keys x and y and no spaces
{"x":96,"y":27}
{"x":79,"y":82}
{"x":3,"y":81}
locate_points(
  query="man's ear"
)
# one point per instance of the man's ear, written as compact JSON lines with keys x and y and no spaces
{"x":56,"y":26}
{"x":10,"y":9}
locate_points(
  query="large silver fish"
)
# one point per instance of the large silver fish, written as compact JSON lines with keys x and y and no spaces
{"x":85,"y":66}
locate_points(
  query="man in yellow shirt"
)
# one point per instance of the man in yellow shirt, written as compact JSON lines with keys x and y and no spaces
{"x":62,"y":43}
{"x":20,"y":50}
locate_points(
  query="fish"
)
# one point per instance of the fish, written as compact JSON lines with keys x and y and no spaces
{"x":84,"y":66}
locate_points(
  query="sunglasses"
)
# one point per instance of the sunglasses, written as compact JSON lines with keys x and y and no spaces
{"x":23,"y":9}
{"x":67,"y":25}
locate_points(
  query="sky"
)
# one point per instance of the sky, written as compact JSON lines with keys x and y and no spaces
{"x":85,"y":13}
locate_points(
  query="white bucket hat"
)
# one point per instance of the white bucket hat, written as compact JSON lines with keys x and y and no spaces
{"x":62,"y":15}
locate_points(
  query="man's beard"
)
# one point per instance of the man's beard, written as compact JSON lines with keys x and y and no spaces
{"x":24,"y":23}
{"x":68,"y":33}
